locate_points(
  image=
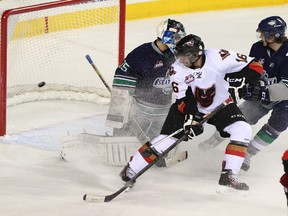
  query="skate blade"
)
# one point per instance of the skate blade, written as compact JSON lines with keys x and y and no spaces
{"x":229,"y":191}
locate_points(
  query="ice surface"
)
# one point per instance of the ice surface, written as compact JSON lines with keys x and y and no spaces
{"x":35,"y":181}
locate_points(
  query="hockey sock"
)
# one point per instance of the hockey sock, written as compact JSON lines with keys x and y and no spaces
{"x":149,"y":152}
{"x":234,"y":155}
{"x":265,"y":136}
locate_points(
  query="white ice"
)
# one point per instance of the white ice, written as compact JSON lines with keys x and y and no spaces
{"x":35,"y":182}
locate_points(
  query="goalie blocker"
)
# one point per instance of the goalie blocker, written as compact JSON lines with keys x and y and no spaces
{"x":120,"y":106}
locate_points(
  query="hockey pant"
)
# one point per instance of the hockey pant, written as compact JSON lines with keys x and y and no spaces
{"x":240,"y":135}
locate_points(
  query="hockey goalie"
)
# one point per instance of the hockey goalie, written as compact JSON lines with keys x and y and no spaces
{"x":141,"y":97}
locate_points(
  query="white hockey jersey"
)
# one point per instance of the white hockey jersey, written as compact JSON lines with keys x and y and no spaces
{"x":208,"y":84}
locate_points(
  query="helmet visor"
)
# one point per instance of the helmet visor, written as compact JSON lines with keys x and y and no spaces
{"x":187,"y":58}
{"x":168,"y":37}
{"x":264,"y":36}
{"x":171,"y":37}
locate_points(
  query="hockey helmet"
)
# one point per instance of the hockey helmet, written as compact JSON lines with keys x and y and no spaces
{"x":272,"y":26}
{"x":170,"y":32}
{"x":190,"y":46}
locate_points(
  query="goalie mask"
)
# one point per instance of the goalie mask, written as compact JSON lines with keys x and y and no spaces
{"x":270,"y":27}
{"x":190,"y":46}
{"x":170,"y":32}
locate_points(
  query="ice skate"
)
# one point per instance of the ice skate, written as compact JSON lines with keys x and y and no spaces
{"x":246,"y":163}
{"x":230,"y":184}
{"x":211,"y":142}
{"x":126,"y":174}
{"x":251,"y":151}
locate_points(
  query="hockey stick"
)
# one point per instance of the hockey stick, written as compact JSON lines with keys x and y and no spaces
{"x":89,"y":59}
{"x":169,"y":160}
{"x":99,"y":199}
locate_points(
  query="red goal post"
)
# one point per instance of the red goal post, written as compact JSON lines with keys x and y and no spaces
{"x":48,"y":42}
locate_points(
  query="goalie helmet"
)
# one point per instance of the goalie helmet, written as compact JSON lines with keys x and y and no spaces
{"x":190,"y":46}
{"x":170,"y":32}
{"x":272,"y":26}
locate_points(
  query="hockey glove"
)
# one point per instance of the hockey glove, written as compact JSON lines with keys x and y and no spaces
{"x":237,"y":88}
{"x":187,"y":104}
{"x":258,"y":91}
{"x":252,"y":92}
{"x":191,"y":125}
{"x":265,"y":99}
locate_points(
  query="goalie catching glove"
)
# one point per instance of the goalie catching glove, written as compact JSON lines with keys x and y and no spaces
{"x":191,"y":126}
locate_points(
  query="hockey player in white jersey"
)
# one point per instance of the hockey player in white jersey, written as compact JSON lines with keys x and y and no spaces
{"x":271,"y":50}
{"x":197,"y":79}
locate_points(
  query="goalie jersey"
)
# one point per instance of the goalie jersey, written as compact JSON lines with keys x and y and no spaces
{"x":143,"y":74}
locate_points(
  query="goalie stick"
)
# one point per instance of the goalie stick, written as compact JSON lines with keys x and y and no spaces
{"x":100,"y":199}
{"x":167,"y":161}
{"x":89,"y":59}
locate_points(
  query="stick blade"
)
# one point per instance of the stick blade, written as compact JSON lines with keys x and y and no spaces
{"x":93,"y":198}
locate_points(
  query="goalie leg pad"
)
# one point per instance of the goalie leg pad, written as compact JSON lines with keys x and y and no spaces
{"x":120,"y":149}
{"x":116,"y":150}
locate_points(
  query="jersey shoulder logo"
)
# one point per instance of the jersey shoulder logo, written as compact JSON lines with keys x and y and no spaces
{"x":224,"y":53}
{"x":171,"y":71}
{"x":261,"y":61}
{"x":159,"y":64}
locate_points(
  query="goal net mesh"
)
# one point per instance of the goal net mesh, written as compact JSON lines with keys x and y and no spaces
{"x":50,"y":45}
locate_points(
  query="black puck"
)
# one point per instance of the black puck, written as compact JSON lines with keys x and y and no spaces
{"x":41,"y":84}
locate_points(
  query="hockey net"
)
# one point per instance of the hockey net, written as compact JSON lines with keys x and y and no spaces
{"x":48,"y":40}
